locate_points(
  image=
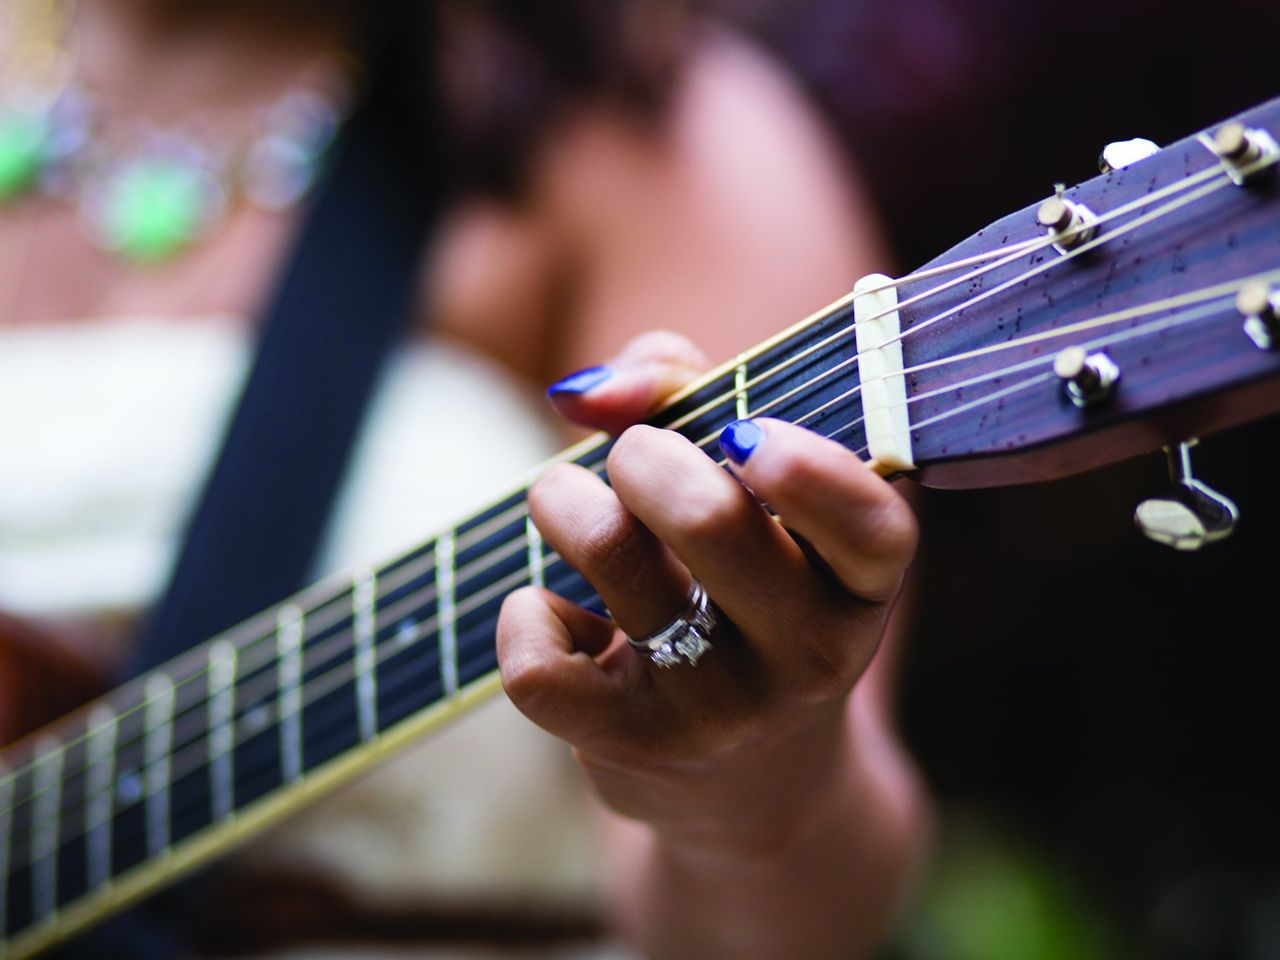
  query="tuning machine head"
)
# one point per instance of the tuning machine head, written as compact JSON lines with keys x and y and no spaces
{"x":1123,"y":153}
{"x":1088,"y":378}
{"x":1260,"y":307}
{"x":1191,"y":514}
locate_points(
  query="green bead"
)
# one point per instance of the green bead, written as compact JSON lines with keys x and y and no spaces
{"x":153,"y":210}
{"x":22,"y":149}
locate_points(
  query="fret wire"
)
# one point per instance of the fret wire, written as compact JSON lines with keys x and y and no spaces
{"x":1129,"y":334}
{"x":159,"y":758}
{"x":1002,"y":255}
{"x":837,"y":432}
{"x":223,"y":659}
{"x":46,"y":815}
{"x":447,"y":615}
{"x":99,"y":778}
{"x":365,"y":609}
{"x":290,"y":692}
{"x":798,"y":392}
{"x":910,"y":278}
{"x":740,"y":388}
{"x":264,"y":683}
{"x":1,"y":929}
{"x":485,"y":649}
{"x":840,"y":430}
{"x":503,"y":553}
{"x":537,"y":562}
{"x":327,"y":683}
{"x":946,"y":268}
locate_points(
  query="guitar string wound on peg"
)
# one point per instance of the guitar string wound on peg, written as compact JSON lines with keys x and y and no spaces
{"x":1244,"y":152}
{"x":1067,"y":223}
{"x":1259,"y":304}
{"x":1088,"y":378}
{"x":1124,"y":153}
{"x":1191,"y":514}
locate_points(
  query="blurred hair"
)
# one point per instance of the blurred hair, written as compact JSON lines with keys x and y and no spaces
{"x":509,"y":70}
{"x":504,"y":71}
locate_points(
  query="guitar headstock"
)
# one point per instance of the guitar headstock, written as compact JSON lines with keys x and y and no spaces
{"x":1125,"y":314}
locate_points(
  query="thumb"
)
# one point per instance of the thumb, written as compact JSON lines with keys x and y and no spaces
{"x":632,"y":385}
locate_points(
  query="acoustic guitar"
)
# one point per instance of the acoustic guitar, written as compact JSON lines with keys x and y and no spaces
{"x":1132,"y":312}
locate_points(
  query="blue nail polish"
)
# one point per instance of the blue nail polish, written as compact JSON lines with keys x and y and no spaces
{"x":576,"y":384}
{"x":740,"y":439}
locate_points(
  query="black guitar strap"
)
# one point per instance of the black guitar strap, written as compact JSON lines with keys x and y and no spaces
{"x":344,"y":298}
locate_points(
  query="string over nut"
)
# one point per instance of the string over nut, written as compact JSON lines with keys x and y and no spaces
{"x":1088,"y":378}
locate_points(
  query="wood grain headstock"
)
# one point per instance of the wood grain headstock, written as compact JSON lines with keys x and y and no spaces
{"x":1143,"y":265}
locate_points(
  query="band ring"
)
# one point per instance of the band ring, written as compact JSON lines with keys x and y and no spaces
{"x":684,"y":639}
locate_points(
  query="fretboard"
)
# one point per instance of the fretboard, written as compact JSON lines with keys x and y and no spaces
{"x":175,"y":767}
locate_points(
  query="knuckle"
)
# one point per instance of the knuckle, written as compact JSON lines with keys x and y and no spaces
{"x":892,"y":531}
{"x":542,"y":493}
{"x":611,"y":547}
{"x":527,"y":678}
{"x":629,"y":449}
{"x":712,"y":511}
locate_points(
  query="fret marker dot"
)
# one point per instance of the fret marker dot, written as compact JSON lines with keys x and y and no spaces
{"x":256,"y":719}
{"x":129,"y":788}
{"x":406,"y":633}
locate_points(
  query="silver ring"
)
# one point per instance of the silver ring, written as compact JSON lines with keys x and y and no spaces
{"x":686,"y":638}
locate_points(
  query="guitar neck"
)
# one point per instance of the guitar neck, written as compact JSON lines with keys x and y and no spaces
{"x":953,"y":368}
{"x":179,"y":765}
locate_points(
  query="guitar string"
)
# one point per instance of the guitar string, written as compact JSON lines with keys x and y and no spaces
{"x":339,"y":644}
{"x":485,"y":651}
{"x":517,"y":510}
{"x":1158,"y":326}
{"x":334,"y":602}
{"x":1139,"y":221}
{"x":73,"y":826}
{"x":319,"y":687}
{"x":1225,"y":288}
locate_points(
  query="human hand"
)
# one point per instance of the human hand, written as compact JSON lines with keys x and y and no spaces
{"x":730,"y":752}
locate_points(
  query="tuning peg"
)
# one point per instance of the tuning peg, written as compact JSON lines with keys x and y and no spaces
{"x":1191,"y":514}
{"x":1122,"y":153}
{"x":1260,"y":307}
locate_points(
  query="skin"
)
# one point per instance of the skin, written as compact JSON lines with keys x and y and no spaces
{"x":759,"y":805}
{"x":762,"y":807}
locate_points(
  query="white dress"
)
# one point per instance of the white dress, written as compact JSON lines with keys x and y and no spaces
{"x":106,"y":432}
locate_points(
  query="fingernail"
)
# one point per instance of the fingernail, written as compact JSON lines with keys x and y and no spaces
{"x":740,"y":439}
{"x":576,"y":384}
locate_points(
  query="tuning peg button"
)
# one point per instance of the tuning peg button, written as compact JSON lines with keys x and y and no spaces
{"x":1191,"y":514}
{"x":1245,"y":152}
{"x":1260,"y":307}
{"x":1088,"y":377}
{"x":1123,"y":153}
{"x":1067,"y":223}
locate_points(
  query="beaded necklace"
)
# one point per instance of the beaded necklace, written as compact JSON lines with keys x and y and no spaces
{"x":149,"y":191}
